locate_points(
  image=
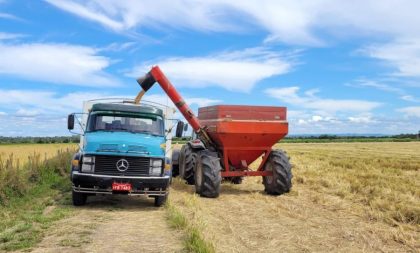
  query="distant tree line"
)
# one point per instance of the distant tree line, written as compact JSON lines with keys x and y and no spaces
{"x":322,"y":137}
{"x":331,"y":137}
{"x":55,"y":139}
{"x":335,"y":138}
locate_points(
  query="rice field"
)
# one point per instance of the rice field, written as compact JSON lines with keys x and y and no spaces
{"x":21,"y":152}
{"x":346,"y":197}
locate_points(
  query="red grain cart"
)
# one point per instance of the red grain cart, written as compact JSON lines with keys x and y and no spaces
{"x":229,"y":139}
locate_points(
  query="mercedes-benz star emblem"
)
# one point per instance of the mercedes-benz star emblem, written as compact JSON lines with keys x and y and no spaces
{"x":122,"y":165}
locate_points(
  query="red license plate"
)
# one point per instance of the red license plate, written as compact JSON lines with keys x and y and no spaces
{"x":121,"y":187}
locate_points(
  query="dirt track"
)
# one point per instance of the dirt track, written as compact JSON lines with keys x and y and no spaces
{"x":113,"y":224}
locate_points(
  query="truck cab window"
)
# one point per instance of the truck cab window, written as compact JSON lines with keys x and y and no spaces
{"x":153,"y":126}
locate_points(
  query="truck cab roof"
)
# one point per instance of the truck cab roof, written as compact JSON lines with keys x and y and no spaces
{"x":126,"y":108}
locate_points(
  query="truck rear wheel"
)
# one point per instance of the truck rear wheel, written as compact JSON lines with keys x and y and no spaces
{"x":187,"y":161}
{"x":175,"y":162}
{"x":208,"y":177}
{"x":281,"y":180}
{"x":79,"y":199}
{"x":175,"y":170}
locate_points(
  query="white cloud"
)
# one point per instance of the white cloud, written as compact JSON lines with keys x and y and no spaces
{"x":402,"y":54}
{"x":10,"y":36}
{"x":235,"y":70}
{"x":124,"y":15}
{"x":164,"y":100}
{"x":316,"y":118}
{"x":3,"y":114}
{"x":387,"y":84}
{"x":201,"y":102}
{"x":9,"y":16}
{"x":51,"y":103}
{"x":361,"y":119}
{"x":27,"y":113}
{"x":377,"y":85}
{"x":290,"y":95}
{"x":411,"y":111}
{"x":295,"y":22}
{"x":36,"y":102}
{"x":87,"y":11}
{"x":56,"y":63}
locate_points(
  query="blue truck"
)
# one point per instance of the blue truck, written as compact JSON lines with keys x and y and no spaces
{"x":123,"y":150}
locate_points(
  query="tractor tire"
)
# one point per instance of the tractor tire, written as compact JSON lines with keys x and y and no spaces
{"x":160,"y":200}
{"x":187,"y":161}
{"x":281,"y":181}
{"x":208,"y":177}
{"x":79,"y":199}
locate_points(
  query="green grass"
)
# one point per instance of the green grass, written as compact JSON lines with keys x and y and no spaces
{"x":28,"y":191}
{"x":194,"y":240}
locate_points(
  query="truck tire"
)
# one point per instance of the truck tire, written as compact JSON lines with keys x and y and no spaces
{"x":160,"y":200}
{"x":187,"y":161}
{"x":175,"y":170}
{"x":281,"y":181}
{"x":208,"y":177}
{"x":175,"y":163}
{"x":79,"y":199}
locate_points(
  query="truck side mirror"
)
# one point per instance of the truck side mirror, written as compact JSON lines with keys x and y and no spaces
{"x":185,"y":127}
{"x":179,"y":129}
{"x":70,"y":122}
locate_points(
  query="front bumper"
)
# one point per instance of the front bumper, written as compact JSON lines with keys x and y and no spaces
{"x":102,"y":184}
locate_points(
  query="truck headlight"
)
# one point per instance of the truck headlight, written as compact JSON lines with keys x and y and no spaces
{"x":88,"y":159}
{"x":157,"y":163}
{"x":88,"y":164}
{"x":156,"y":167}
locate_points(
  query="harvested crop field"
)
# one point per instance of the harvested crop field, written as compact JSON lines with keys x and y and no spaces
{"x":347,"y":197}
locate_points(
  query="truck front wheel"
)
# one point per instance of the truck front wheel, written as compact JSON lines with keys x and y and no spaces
{"x":79,"y":199}
{"x":160,"y":200}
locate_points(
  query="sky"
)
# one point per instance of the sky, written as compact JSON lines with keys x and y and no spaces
{"x":338,"y":66}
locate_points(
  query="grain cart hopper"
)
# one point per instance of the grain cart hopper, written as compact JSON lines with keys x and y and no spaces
{"x":229,"y":139}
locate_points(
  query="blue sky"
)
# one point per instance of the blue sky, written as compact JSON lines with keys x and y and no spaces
{"x":339,"y":66}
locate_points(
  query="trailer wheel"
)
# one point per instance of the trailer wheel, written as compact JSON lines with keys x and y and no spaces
{"x":79,"y":199}
{"x":187,"y":161}
{"x":281,"y":180}
{"x":208,"y":177}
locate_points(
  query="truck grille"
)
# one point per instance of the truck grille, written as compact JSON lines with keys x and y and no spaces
{"x":107,"y":165}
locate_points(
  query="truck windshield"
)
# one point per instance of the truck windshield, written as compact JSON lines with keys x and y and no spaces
{"x":126,"y":123}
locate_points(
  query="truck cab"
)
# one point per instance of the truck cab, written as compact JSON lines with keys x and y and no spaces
{"x":122,"y":151}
